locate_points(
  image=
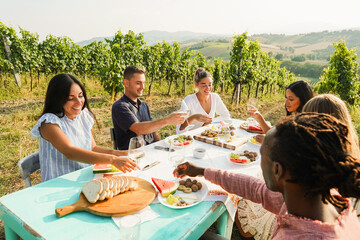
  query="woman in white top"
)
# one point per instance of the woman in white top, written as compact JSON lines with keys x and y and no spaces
{"x":203,"y":105}
{"x":66,"y":142}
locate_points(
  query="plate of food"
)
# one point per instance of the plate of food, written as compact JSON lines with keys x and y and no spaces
{"x":253,"y":128}
{"x":182,"y":193}
{"x":243,"y":158}
{"x":180,"y":139}
{"x":254,"y":141}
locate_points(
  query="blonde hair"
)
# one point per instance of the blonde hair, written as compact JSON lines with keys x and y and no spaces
{"x":331,"y":104}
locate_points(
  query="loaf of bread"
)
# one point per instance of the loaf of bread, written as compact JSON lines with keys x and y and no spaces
{"x":107,"y":187}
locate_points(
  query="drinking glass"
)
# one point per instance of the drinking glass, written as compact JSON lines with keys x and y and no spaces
{"x":130,"y":227}
{"x":136,"y":149}
{"x":185,"y":108}
{"x":223,"y":136}
{"x":252,"y":105}
{"x":176,"y":153}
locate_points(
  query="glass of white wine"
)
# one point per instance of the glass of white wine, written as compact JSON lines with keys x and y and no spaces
{"x":223,"y":136}
{"x":185,"y":108}
{"x":252,"y":105}
{"x":176,"y":153}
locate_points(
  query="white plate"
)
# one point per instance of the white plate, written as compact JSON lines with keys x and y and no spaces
{"x":168,"y":139}
{"x":201,"y":194}
{"x":243,"y":164}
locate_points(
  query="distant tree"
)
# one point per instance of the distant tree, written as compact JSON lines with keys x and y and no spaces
{"x":298,"y":58}
{"x":342,"y":76}
{"x":279,"y":56}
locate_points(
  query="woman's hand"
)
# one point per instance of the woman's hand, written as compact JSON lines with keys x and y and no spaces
{"x":124,"y":164}
{"x":259,"y":138}
{"x":188,"y":169}
{"x":201,"y":118}
{"x":255,"y":114}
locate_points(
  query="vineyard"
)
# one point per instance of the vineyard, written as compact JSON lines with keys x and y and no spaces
{"x":27,"y":65}
{"x":250,"y":69}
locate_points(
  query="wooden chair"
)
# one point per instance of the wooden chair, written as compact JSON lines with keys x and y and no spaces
{"x":112,"y":134}
{"x":27,"y":166}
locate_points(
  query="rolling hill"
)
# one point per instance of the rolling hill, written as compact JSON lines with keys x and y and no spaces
{"x":316,"y":47}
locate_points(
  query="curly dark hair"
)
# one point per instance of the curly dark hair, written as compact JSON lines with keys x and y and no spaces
{"x":314,"y":149}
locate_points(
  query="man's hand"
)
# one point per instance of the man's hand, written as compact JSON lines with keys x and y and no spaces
{"x":176,"y":118}
{"x":188,"y":169}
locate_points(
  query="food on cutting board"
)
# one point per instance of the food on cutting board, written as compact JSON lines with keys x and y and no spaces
{"x":243,"y":157}
{"x":165,"y":187}
{"x":104,"y":168}
{"x":107,"y":187}
{"x":246,"y":126}
{"x":213,"y":133}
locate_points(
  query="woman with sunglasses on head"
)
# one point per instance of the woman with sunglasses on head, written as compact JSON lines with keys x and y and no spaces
{"x":66,"y":141}
{"x":205,"y":106}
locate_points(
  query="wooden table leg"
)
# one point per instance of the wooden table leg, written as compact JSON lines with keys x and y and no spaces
{"x":9,"y":233}
{"x":224,"y":225}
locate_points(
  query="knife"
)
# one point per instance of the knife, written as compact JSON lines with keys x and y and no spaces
{"x":150,"y":165}
{"x":163,"y":148}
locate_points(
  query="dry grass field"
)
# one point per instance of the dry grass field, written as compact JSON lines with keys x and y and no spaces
{"x":19,"y":110}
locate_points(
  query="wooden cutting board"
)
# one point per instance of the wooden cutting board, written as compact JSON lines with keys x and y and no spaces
{"x":120,"y":205}
{"x":233,"y":145}
{"x":251,"y":131}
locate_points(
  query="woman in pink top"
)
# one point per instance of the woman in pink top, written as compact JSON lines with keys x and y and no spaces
{"x":302,"y":159}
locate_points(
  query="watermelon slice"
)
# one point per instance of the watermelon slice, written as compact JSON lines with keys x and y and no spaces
{"x":165,"y":187}
{"x":104,"y":168}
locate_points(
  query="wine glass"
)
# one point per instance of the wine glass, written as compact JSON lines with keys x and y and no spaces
{"x":252,"y":105}
{"x":185,"y":108}
{"x":176,"y":152}
{"x":223,"y":136}
{"x":136,"y":149}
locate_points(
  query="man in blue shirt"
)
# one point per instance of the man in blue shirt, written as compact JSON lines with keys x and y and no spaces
{"x":131,"y":116}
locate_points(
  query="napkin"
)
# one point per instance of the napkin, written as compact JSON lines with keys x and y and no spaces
{"x":216,"y":193}
{"x":145,"y":215}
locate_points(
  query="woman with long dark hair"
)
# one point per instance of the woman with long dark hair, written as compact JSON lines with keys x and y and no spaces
{"x":66,"y":142}
{"x":296,"y":95}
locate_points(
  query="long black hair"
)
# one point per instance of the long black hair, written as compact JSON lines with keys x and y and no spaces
{"x":57,"y":94}
{"x":302,"y":90}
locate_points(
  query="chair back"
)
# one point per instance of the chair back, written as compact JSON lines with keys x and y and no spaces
{"x":113,"y":139}
{"x":27,"y":166}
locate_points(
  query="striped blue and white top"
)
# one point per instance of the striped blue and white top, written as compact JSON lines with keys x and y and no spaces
{"x":52,"y":162}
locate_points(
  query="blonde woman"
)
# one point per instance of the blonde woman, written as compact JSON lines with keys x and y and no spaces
{"x":330,"y":104}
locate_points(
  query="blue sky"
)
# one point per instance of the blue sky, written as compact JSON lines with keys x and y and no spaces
{"x":85,"y":19}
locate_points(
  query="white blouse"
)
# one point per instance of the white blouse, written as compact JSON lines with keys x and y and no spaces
{"x":52,"y":162}
{"x":217,"y":107}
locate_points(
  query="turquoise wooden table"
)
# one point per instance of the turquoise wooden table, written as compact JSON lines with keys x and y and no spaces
{"x":30,"y":213}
